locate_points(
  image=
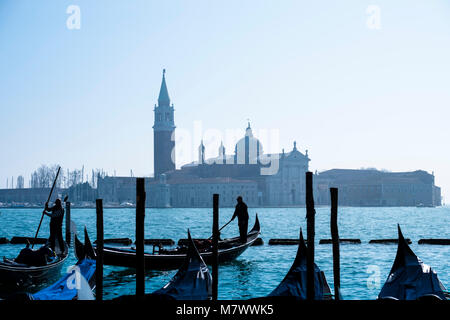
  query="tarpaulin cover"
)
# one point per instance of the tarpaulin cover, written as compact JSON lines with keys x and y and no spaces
{"x":66,"y":287}
{"x":410,"y":278}
{"x":192,"y":281}
{"x":294,"y":283}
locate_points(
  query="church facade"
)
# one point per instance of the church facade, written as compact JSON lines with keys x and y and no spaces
{"x":261,"y":179}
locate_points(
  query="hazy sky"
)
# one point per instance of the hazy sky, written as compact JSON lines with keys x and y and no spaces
{"x":315,"y":71}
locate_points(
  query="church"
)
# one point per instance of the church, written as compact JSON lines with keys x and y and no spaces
{"x":261,"y":179}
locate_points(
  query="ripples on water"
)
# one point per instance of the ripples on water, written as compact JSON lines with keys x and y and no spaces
{"x":260,"y":269}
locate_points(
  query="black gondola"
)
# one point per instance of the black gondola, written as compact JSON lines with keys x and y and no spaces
{"x":410,"y":278}
{"x":79,"y":282}
{"x":191,"y":282}
{"x":17,"y":274}
{"x":172,"y":259}
{"x":85,"y":251}
{"x":294,"y":283}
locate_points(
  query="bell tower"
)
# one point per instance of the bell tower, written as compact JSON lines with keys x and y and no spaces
{"x":163,"y":132}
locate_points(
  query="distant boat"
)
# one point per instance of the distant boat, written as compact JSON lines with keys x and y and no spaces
{"x":127,"y":205}
{"x":410,"y":278}
{"x":421,"y":205}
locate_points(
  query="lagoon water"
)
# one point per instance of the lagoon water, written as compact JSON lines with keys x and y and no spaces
{"x":364,"y":267}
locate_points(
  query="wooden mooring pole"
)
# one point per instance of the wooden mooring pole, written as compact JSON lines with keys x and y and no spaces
{"x":68,"y":231}
{"x":140,"y":218}
{"x":99,"y":261}
{"x":335,"y":241}
{"x":310,"y":217}
{"x":215,"y":243}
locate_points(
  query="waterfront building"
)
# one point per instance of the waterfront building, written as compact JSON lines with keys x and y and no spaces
{"x":378,"y":188}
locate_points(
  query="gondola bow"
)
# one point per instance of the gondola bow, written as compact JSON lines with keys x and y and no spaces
{"x":192,"y":281}
{"x":410,"y":278}
{"x":294,"y":283}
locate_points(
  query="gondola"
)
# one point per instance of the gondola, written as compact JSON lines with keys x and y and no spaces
{"x":172,"y":259}
{"x":410,"y":278}
{"x":79,"y":282}
{"x":293,"y":285}
{"x":191,"y":282}
{"x":17,"y":274}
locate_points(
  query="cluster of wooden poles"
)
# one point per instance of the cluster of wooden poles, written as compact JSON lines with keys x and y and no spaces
{"x":310,"y":229}
{"x":140,"y":261}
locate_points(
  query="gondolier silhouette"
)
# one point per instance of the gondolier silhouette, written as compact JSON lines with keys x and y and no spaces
{"x":56,"y":213}
{"x":242,"y":214}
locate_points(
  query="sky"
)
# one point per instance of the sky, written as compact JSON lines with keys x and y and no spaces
{"x":356,"y":83}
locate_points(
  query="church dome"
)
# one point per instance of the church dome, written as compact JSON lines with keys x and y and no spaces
{"x":248,"y":149}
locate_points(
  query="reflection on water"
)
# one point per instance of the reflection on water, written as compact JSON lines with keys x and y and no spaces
{"x":126,"y":278}
{"x":243,"y":273}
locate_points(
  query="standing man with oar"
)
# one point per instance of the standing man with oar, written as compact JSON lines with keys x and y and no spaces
{"x":242,"y":213}
{"x":56,"y":213}
{"x":46,"y":207}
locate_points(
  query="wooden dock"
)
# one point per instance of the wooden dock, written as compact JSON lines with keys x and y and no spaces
{"x":341,"y":240}
{"x":435,"y":241}
{"x":124,"y":241}
{"x":388,"y":241}
{"x":25,"y":240}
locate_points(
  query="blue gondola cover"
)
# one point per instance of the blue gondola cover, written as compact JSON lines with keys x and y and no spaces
{"x":65,"y":288}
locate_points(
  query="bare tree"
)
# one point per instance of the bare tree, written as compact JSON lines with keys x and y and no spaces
{"x":20,"y":182}
{"x":43,"y":177}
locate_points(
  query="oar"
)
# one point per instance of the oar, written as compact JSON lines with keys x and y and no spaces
{"x":43,"y":212}
{"x":222,"y":227}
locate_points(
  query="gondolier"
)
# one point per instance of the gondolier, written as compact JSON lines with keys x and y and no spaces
{"x":242,"y":213}
{"x":56,"y":213}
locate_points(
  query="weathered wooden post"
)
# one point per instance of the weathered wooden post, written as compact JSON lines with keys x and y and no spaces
{"x":335,"y":241}
{"x":140,"y":218}
{"x":310,"y":217}
{"x":99,"y":261}
{"x":215,"y":261}
{"x":68,"y":231}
